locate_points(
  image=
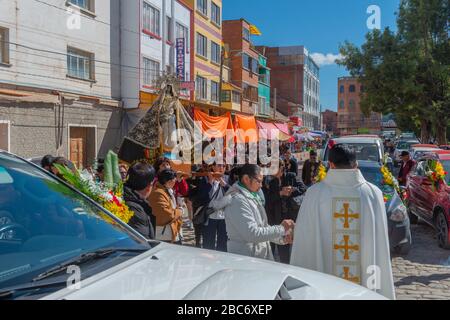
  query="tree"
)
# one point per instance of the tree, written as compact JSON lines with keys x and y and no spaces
{"x":407,"y":73}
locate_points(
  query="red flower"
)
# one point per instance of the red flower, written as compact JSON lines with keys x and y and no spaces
{"x":331,"y":144}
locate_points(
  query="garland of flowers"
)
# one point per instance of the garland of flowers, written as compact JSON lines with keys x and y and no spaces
{"x":389,"y":179}
{"x":110,"y":199}
{"x":321,"y":173}
{"x":436,"y":172}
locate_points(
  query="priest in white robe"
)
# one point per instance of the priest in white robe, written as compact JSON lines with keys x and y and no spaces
{"x":342,"y":227}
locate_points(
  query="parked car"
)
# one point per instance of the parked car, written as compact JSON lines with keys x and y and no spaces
{"x":47,"y":228}
{"x":401,"y":146}
{"x":399,"y":228}
{"x":407,"y":136}
{"x":367,"y":148}
{"x":428,"y":202}
{"x":419,"y":150}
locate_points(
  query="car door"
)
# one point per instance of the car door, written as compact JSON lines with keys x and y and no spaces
{"x":416,"y":194}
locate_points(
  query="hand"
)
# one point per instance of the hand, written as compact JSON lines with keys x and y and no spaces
{"x":210,"y":178}
{"x":288,"y":239}
{"x":288,"y":225}
{"x":222,"y":182}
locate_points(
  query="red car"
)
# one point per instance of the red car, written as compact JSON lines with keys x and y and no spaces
{"x":431,"y":204}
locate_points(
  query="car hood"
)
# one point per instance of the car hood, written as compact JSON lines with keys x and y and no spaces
{"x":170,"y":272}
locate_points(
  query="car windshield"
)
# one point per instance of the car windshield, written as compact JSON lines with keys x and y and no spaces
{"x":44,"y":223}
{"x":446,"y":164}
{"x":364,"y":151}
{"x":404,"y":145}
{"x":374,"y":176}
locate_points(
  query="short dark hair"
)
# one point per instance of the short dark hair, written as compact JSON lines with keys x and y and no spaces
{"x":342,"y":157}
{"x":47,"y":161}
{"x":159,"y":162}
{"x":313,"y":153}
{"x":251,"y":170}
{"x":166,"y":175}
{"x":140,"y":176}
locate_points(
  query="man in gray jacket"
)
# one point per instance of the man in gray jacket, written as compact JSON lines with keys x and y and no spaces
{"x":248,"y":230}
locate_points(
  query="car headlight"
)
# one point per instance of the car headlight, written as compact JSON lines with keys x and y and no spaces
{"x":399,"y":214}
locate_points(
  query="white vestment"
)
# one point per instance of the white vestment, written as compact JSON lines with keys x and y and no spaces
{"x":342,"y":230}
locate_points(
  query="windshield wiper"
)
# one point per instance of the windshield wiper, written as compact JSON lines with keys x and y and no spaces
{"x":83,"y":258}
{"x":7,"y":293}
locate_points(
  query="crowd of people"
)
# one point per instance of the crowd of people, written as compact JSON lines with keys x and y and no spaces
{"x":236,"y":209}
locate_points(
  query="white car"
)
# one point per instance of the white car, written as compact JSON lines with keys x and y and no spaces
{"x":366,"y":147}
{"x":402,"y":145}
{"x":55,"y":243}
{"x":419,"y":150}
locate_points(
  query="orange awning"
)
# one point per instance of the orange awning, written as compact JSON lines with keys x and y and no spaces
{"x":214,"y":127}
{"x":246,"y":129}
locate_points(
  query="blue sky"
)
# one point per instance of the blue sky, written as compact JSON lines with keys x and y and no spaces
{"x":319,"y":25}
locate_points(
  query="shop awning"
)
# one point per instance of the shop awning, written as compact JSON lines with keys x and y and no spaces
{"x":285,"y":135}
{"x":246,"y":129}
{"x":267,"y":130}
{"x":214,"y":127}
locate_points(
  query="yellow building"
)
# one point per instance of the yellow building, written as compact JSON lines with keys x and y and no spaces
{"x":206,"y":38}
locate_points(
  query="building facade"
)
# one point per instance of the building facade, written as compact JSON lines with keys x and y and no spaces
{"x":295,"y":76}
{"x":58,"y":93}
{"x":351,"y":119}
{"x":206,"y":36}
{"x":330,"y":122}
{"x":264,"y":109}
{"x":244,"y":62}
{"x":155,"y":39}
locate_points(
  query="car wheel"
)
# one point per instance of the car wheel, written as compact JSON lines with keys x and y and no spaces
{"x":442,"y":230}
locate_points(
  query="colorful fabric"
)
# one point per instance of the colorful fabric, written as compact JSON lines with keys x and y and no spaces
{"x":214,"y":127}
{"x":246,"y":129}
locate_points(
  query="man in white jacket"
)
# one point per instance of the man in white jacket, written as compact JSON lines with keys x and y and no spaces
{"x":342,"y":227}
{"x":248,"y":231}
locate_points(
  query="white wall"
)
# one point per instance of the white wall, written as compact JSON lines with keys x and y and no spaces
{"x":41,"y":26}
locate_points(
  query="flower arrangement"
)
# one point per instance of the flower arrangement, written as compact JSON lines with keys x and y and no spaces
{"x":321,"y":174}
{"x":435,"y":172}
{"x":389,"y":179}
{"x":107,"y":195}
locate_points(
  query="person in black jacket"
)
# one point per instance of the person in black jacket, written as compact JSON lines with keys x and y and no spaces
{"x":291,"y":162}
{"x":283,"y":187}
{"x":136,"y":191}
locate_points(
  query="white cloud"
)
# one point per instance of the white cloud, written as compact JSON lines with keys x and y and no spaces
{"x":325,"y":60}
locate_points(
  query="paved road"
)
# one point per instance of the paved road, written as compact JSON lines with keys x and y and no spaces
{"x":425,"y":272}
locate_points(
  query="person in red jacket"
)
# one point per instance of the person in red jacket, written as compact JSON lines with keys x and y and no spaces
{"x":406,"y":167}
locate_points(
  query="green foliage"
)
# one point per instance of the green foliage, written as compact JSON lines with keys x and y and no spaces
{"x":407,"y":73}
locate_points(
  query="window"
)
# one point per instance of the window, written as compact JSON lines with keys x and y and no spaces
{"x":341,"y":104}
{"x":262,"y":105}
{"x":202,"y":6}
{"x":215,"y":52}
{"x":246,"y":61}
{"x":342,"y":89}
{"x":255,"y":66}
{"x":215,"y":13}
{"x":151,"y":71}
{"x":85,"y":4}
{"x":362,"y":88}
{"x":169,"y":29}
{"x":4,"y":45}
{"x":214,"y":91}
{"x":183,"y":32}
{"x":80,"y":64}
{"x":236,"y":97}
{"x":202,"y":89}
{"x":352,"y":88}
{"x":351,"y":105}
{"x":151,"y":19}
{"x":250,"y":93}
{"x":246,"y":34}
{"x":202,"y":45}
{"x":226,"y":96}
